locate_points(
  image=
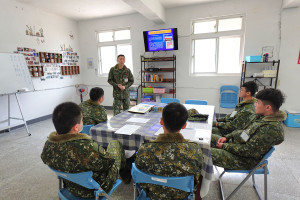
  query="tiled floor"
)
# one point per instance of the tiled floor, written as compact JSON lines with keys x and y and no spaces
{"x":24,"y":176}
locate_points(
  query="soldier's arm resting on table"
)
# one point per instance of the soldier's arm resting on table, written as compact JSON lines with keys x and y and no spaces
{"x":100,"y":115}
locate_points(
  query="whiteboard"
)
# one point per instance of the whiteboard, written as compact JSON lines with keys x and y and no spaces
{"x":14,"y":74}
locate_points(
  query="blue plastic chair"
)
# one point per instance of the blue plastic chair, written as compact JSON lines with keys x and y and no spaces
{"x":169,"y":100}
{"x":196,"y":102}
{"x":228,"y":96}
{"x":86,"y":129}
{"x":84,"y":179}
{"x":260,"y":168}
{"x":185,"y":183}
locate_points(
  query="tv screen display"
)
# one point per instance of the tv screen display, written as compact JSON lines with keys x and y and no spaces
{"x":161,"y":40}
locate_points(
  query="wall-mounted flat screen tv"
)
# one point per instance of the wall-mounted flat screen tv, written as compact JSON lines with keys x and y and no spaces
{"x":161,"y":40}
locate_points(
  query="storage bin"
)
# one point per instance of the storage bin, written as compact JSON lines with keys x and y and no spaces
{"x":293,"y":119}
{"x":147,"y":90}
{"x":253,"y":58}
{"x":269,"y":73}
{"x":159,"y":90}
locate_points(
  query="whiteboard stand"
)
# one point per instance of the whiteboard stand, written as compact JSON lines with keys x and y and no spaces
{"x":9,"y":117}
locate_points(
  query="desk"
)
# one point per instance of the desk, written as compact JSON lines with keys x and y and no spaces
{"x":104,"y":132}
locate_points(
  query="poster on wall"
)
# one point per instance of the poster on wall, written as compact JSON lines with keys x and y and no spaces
{"x":90,"y":63}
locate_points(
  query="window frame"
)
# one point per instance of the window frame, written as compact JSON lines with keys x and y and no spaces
{"x":114,"y":43}
{"x":216,"y":35}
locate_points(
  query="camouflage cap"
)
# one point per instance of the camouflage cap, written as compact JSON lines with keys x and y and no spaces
{"x":194,"y":115}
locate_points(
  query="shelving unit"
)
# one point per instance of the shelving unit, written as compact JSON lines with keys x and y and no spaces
{"x":159,"y":76}
{"x":69,"y":63}
{"x":249,"y":68}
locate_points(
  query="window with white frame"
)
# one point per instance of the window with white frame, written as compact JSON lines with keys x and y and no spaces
{"x":112,"y":43}
{"x":217,"y":45}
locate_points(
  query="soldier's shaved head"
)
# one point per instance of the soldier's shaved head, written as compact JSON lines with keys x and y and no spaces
{"x":272,"y":97}
{"x":174,"y":116}
{"x":65,"y":116}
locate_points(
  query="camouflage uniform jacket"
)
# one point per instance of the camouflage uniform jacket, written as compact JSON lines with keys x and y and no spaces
{"x":241,"y":119}
{"x":169,"y":155}
{"x":73,"y":153}
{"x":120,"y":76}
{"x":264,"y":133}
{"x":92,"y":112}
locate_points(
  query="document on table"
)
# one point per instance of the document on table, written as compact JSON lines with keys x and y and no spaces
{"x":128,"y":129}
{"x":197,"y":125}
{"x":197,"y":135}
{"x":138,"y":120}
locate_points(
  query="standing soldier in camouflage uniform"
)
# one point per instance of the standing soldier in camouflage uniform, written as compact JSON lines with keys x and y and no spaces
{"x":170,"y":154}
{"x":243,"y":149}
{"x":239,"y":118}
{"x":92,"y":110}
{"x":121,"y":78}
{"x":69,"y":151}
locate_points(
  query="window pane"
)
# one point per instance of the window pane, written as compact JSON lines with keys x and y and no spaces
{"x":105,"y":36}
{"x":229,"y":55}
{"x":108,"y":58}
{"x":205,"y":27}
{"x":230,"y":24}
{"x":126,"y":50}
{"x":205,"y":59}
{"x":122,"y":35}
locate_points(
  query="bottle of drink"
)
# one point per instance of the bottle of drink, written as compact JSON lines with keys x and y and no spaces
{"x":266,"y":57}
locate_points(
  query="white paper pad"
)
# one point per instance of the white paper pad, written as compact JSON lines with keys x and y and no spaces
{"x":197,"y":125}
{"x":128,"y":129}
{"x":138,"y":120}
{"x":197,"y":135}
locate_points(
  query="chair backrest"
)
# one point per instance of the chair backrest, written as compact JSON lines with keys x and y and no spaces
{"x":229,"y":96}
{"x":169,"y":100}
{"x":185,"y":183}
{"x":86,"y":129}
{"x":83,"y":178}
{"x":196,"y":102}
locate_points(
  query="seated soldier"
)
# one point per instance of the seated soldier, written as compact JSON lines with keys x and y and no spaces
{"x":243,"y":149}
{"x":69,"y":151}
{"x":239,"y":118}
{"x":170,"y":154}
{"x":92,"y":110}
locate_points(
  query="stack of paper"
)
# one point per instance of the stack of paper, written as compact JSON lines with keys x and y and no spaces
{"x":128,"y":129}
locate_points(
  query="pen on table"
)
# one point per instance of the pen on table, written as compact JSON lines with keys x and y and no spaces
{"x":200,"y":138}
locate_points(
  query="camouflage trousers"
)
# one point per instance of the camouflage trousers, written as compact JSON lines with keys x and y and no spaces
{"x":227,"y":160}
{"x":114,"y":150}
{"x":218,"y":131}
{"x":120,"y":104}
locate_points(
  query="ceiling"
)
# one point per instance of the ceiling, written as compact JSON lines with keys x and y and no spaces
{"x":90,"y":9}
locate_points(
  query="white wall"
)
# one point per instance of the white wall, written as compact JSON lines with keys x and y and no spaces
{"x":13,"y":20}
{"x":289,"y":53}
{"x":262,"y":29}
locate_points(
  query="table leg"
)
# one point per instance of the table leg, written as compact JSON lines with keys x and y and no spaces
{"x":197,"y":192}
